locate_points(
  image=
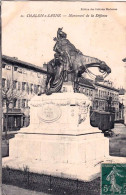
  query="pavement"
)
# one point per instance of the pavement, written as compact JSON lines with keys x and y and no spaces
{"x":119,"y":129}
{"x":14,"y":190}
{"x":117,"y":143}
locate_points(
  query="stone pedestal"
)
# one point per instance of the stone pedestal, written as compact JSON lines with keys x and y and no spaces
{"x":78,"y":149}
{"x":59,"y":140}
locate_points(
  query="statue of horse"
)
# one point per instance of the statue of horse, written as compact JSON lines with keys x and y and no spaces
{"x":78,"y":62}
{"x":68,"y":58}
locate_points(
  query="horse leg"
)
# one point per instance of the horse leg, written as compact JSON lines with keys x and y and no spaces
{"x":47,"y":82}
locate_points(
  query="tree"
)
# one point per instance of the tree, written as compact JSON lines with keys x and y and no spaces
{"x":9,"y":95}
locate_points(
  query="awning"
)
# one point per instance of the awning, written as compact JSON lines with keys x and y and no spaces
{"x":14,"y":114}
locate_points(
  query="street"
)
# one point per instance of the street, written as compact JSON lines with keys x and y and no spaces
{"x":117,"y":143}
{"x":14,"y":190}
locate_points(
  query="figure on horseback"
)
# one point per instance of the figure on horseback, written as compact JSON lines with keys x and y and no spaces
{"x":68,"y":59}
{"x":55,"y":76}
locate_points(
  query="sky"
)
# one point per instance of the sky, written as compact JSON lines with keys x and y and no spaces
{"x":30,"y":39}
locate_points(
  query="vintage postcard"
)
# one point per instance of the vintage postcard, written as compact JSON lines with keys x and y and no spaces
{"x":63,"y":97}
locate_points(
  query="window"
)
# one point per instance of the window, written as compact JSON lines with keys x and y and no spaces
{"x":87,"y":92}
{"x":15,"y":68}
{"x":14,"y":84}
{"x":27,"y":87}
{"x":99,"y":93}
{"x":39,"y":75}
{"x":3,"y":102}
{"x":19,"y":103}
{"x":3,"y":82}
{"x":20,"y":70}
{"x":31,"y":88}
{"x":19,"y":85}
{"x":8,"y":84}
{"x":8,"y":67}
{"x":102,"y":94}
{"x":3,"y":65}
{"x":91,"y":92}
{"x":117,"y":96}
{"x":23,"y":86}
{"x":15,"y":103}
{"x":24,"y":71}
{"x":23,"y":103}
{"x":35,"y":88}
{"x":83,"y":90}
{"x":39,"y":89}
{"x":26,"y":103}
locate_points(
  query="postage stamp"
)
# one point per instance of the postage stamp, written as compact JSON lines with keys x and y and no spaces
{"x":113,"y":179}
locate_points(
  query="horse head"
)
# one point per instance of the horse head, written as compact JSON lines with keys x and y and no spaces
{"x":104,"y":68}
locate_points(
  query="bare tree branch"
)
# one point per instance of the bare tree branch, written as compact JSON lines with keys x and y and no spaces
{"x":9,"y":94}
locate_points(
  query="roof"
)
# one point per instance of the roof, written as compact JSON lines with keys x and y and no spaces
{"x":90,"y":83}
{"x":86,"y":83}
{"x":15,"y":61}
{"x":106,"y":86}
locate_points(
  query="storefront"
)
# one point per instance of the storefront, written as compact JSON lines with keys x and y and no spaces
{"x":15,"y":121}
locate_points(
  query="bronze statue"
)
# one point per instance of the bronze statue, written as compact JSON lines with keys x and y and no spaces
{"x":69,"y":59}
{"x":55,"y":78}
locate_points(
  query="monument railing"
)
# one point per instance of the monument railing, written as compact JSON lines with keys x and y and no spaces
{"x":47,"y":183}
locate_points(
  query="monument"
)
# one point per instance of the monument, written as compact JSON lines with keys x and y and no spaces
{"x":60,"y":140}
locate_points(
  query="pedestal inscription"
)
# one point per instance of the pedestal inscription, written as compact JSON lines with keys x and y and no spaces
{"x":49,"y":113}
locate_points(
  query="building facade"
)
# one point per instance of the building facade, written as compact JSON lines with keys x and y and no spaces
{"x":26,"y":81}
{"x":86,"y":87}
{"x":106,"y":96}
{"x":102,"y":95}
